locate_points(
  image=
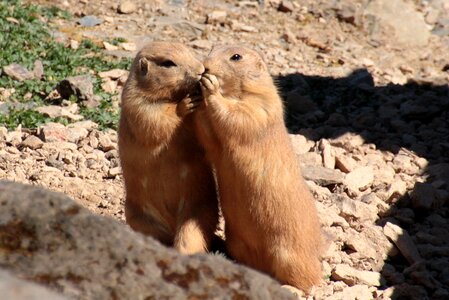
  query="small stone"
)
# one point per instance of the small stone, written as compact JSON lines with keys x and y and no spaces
{"x":80,"y":86}
{"x":54,"y":132}
{"x":288,"y":36}
{"x":391,"y":275}
{"x":109,"y":46}
{"x":352,"y":276}
{"x":18,"y":72}
{"x":113,"y":74}
{"x":425,"y":197}
{"x":38,"y":70}
{"x":237,"y":26}
{"x":109,"y":86}
{"x":105,"y":143}
{"x":74,"y":44}
{"x":361,"y":244}
{"x":424,"y":278}
{"x":89,"y":21}
{"x":345,"y":163}
{"x":201,"y":44}
{"x":55,"y":111}
{"x":403,"y":163}
{"x":348,"y":14}
{"x":13,"y":20}
{"x":432,"y":16}
{"x":403,"y":241}
{"x":300,"y":144}
{"x":127,"y":7}
{"x":384,"y":175}
{"x":286,"y":6}
{"x":217,"y":17}
{"x":321,"y":175}
{"x":310,"y":159}
{"x":32,"y":142}
{"x":396,"y":190}
{"x":440,"y":294}
{"x":54,"y":163}
{"x":4,"y":95}
{"x":384,"y":247}
{"x":93,"y":141}
{"x":329,"y":216}
{"x":350,"y":209}
{"x":88,"y":124}
{"x":360,"y":178}
{"x":14,"y":137}
{"x":128,"y":46}
{"x":409,"y":292}
{"x":113,"y":172}
{"x":357,"y":292}
{"x":327,"y":153}
{"x":3,"y":133}
{"x":348,"y":141}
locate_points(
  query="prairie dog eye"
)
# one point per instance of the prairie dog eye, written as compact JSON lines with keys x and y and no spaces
{"x":166,"y":64}
{"x":236,"y":57}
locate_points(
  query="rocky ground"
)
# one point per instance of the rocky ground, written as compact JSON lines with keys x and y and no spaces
{"x":365,"y":85}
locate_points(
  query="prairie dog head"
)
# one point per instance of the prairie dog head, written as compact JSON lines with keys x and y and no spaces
{"x":165,"y":70}
{"x":239,"y":70}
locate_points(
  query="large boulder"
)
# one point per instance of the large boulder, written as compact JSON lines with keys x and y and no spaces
{"x":47,"y":238}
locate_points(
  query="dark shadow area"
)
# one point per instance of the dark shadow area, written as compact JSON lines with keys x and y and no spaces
{"x":410,"y":118}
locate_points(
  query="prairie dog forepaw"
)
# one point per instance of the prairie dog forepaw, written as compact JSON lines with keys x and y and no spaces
{"x":188,"y":105}
{"x":209,"y":85}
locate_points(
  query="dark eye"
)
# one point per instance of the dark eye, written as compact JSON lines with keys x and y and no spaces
{"x":236,"y":57}
{"x":166,"y":64}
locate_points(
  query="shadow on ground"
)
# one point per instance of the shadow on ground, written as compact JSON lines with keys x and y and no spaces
{"x":412,"y":117}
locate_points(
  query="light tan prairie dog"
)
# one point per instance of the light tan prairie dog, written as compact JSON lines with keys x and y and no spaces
{"x":271,"y":222}
{"x":170,"y":189}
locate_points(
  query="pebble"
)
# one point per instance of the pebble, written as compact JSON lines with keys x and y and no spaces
{"x":127,"y":7}
{"x":321,"y":175}
{"x":286,"y":6}
{"x":89,"y":21}
{"x":360,"y":178}
{"x":403,"y":241}
{"x":217,"y":17}
{"x":353,"y":276}
{"x":425,"y":197}
{"x":18,"y":72}
{"x":32,"y":142}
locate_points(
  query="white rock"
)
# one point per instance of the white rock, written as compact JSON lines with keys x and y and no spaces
{"x":352,"y":276}
{"x":352,"y":209}
{"x":403,"y":241}
{"x":360,"y":178}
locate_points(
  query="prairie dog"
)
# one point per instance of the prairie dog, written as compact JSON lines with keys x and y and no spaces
{"x":170,"y":189}
{"x":271,"y":222}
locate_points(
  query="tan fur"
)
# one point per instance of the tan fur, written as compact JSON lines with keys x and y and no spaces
{"x":271,"y":223}
{"x":170,"y":190}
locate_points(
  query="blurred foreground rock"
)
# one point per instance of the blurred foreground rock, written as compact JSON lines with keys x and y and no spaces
{"x":47,"y":238}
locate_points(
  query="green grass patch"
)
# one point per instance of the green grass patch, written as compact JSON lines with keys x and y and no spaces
{"x":30,"y":40}
{"x":28,"y":119}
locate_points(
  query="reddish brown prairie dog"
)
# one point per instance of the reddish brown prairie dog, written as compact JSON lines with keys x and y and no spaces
{"x":271,"y":222}
{"x":170,"y":190}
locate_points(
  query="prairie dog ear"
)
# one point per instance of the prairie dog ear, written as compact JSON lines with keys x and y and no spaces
{"x":143,"y":66}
